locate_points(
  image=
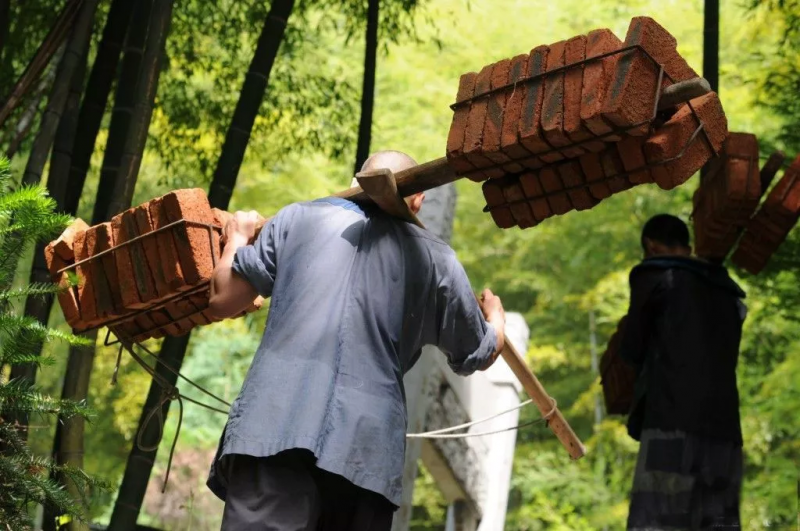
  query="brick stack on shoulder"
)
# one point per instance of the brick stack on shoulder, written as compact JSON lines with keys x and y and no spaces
{"x":554,"y":131}
{"x":152,"y":278}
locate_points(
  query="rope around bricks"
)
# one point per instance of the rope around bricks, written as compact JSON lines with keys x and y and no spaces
{"x":170,"y":392}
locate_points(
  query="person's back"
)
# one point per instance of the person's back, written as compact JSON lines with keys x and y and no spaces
{"x":690,"y":347}
{"x":356,"y":294}
{"x":682,"y":335}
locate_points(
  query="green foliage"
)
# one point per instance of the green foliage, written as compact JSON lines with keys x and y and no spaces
{"x":26,"y":216}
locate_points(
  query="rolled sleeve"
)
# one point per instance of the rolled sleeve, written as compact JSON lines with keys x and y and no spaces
{"x":257,"y":263}
{"x":464,"y":335}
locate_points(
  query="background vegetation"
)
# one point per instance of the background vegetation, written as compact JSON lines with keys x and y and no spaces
{"x":303,"y":146}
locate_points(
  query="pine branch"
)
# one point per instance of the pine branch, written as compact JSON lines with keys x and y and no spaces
{"x":23,"y":325}
{"x":32,"y":290}
{"x":21,"y":397}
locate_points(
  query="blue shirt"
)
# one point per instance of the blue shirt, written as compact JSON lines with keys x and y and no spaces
{"x":355,"y":297}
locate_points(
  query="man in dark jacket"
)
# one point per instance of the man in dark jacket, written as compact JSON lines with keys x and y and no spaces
{"x":682,"y":336}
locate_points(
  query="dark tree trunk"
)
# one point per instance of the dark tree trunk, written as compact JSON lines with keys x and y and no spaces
{"x":148,"y":65}
{"x":368,"y":87}
{"x":94,"y":103}
{"x":75,"y":53}
{"x":140,"y":463}
{"x":250,"y":98}
{"x":41,"y":58}
{"x":173,"y":349}
{"x":28,"y":116}
{"x":5,"y":22}
{"x":124,"y":102}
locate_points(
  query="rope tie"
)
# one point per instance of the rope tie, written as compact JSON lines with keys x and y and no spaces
{"x":157,"y":412}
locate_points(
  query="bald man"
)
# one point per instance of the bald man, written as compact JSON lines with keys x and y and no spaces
{"x":316,"y":437}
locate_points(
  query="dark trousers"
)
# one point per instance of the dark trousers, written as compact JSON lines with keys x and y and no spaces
{"x":287,"y":492}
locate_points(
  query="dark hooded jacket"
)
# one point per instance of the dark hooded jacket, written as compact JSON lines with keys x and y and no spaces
{"x":682,"y":335}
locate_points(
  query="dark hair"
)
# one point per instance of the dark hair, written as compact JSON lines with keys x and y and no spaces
{"x":666,"y":229}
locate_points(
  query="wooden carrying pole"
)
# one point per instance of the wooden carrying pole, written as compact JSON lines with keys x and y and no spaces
{"x":381,"y":188}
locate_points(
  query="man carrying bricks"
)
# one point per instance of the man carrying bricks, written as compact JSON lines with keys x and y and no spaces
{"x":682,"y":336}
{"x":316,"y":438}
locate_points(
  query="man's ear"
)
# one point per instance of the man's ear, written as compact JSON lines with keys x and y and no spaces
{"x":415,"y":203}
{"x":649,"y":247}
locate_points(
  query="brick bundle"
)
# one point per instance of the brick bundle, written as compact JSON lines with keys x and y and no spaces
{"x":727,"y":197}
{"x":549,"y":133}
{"x":616,"y":376}
{"x":772,"y":223}
{"x":149,"y":287}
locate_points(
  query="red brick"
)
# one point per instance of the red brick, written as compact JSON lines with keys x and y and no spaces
{"x":194,"y":243}
{"x":632,"y":155}
{"x":167,"y":251}
{"x":614,"y":170}
{"x":105,"y":241}
{"x":67,"y":298}
{"x":63,"y":245}
{"x":572,"y":176}
{"x":509,"y":138}
{"x":593,"y":171}
{"x":455,"y":138}
{"x":553,"y":104}
{"x":530,"y":132}
{"x":136,"y":282}
{"x":669,"y":140}
{"x":631,"y":96}
{"x":164,"y":322}
{"x":597,"y":77}
{"x":94,"y":243}
{"x":501,"y":214}
{"x":179,"y":311}
{"x":532,"y":186}
{"x":493,"y":126}
{"x":520,"y":209}
{"x":86,"y":297}
{"x":151,"y":255}
{"x":473,"y":137}
{"x":573,"y":85}
{"x":551,"y":182}
{"x":661,"y":45}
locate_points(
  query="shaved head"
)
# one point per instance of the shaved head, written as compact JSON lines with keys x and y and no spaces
{"x":396,"y":161}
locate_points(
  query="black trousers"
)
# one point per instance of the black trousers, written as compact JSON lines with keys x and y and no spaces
{"x":287,"y":492}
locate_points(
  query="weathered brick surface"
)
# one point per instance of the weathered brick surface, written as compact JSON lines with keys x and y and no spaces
{"x":593,"y":171}
{"x":632,"y":155}
{"x":108,"y":263}
{"x":493,"y":125}
{"x":553,"y":104}
{"x":194,"y":244}
{"x":473,"y":137}
{"x":551,"y":182}
{"x":572,"y":177}
{"x":86,"y":296}
{"x":614,"y":170}
{"x":597,"y":77}
{"x":670,"y":140}
{"x":574,"y":128}
{"x":96,"y":240}
{"x":67,"y":298}
{"x":520,"y":209}
{"x":167,"y":251}
{"x":493,"y":193}
{"x":63,"y":245}
{"x":631,"y":96}
{"x":530,"y":131}
{"x":455,"y":138}
{"x":509,"y":138}
{"x":154,"y":272}
{"x":532,"y":186}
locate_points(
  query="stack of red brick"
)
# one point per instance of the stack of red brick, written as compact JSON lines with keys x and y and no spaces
{"x":768,"y":229}
{"x":551,"y":137}
{"x":616,"y":376}
{"x":150,"y":287}
{"x":727,"y":197}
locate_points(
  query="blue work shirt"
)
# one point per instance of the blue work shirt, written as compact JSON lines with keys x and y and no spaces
{"x":355,"y":297}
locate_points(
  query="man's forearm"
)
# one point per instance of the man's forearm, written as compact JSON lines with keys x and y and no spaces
{"x":225,"y":286}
